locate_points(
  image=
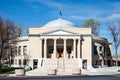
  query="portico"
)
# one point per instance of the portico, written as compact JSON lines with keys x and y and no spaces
{"x":61,"y":47}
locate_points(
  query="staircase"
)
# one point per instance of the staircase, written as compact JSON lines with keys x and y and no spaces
{"x":50,"y":63}
{"x":63,"y":66}
{"x":46,"y":64}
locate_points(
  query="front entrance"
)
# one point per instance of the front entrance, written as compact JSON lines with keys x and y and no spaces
{"x":35,"y":63}
{"x":60,"y":51}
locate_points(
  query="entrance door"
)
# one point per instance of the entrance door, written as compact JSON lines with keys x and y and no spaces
{"x":35,"y":63}
{"x":60,"y":51}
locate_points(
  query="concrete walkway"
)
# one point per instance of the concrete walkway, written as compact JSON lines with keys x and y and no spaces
{"x":103,"y":71}
{"x":99,"y":71}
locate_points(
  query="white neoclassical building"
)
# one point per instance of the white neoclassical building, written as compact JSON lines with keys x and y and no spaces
{"x":62,"y":45}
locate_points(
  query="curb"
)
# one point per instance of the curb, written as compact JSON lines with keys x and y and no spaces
{"x":48,"y":76}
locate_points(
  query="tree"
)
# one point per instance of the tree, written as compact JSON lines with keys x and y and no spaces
{"x":114,"y":29}
{"x":8,"y":35}
{"x":91,"y":23}
{"x":19,"y":29}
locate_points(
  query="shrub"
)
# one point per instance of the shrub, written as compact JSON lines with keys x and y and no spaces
{"x":118,"y":71}
{"x":7,"y":69}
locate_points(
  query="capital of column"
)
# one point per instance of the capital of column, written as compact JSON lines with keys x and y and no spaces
{"x":64,"y":39}
{"x":45,"y":39}
{"x":55,"y":39}
{"x":41,"y":38}
{"x":74,"y":39}
{"x":79,"y":39}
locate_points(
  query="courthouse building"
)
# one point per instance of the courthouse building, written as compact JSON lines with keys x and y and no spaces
{"x":62,"y":45}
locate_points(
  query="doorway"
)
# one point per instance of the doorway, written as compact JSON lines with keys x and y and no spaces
{"x":35,"y":63}
{"x":60,"y":51}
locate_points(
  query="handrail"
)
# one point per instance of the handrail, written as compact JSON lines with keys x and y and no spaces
{"x":58,"y":65}
{"x":63,"y":64}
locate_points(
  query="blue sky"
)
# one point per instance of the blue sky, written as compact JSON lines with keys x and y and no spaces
{"x":32,"y":13}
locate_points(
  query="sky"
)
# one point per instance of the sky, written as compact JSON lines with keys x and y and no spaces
{"x":32,"y":13}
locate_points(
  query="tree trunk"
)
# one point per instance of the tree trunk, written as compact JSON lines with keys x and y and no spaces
{"x":116,"y":57}
{"x":0,"y":65}
{"x":1,"y":56}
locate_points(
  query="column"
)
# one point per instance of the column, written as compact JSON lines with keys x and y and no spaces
{"x":45,"y":48}
{"x":78,"y":54}
{"x":89,"y":64}
{"x":41,"y":48}
{"x":54,"y":53}
{"x":74,"y":48}
{"x":64,"y":48}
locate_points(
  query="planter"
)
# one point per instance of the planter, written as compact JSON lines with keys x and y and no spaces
{"x":76,"y":71}
{"x":19,"y":72}
{"x":51,"y":71}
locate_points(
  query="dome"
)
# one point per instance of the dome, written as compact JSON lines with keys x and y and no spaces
{"x":60,"y":23}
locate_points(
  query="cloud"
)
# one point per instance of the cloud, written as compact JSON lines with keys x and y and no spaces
{"x":80,"y":17}
{"x":113,"y":16}
{"x":47,"y":2}
{"x":81,"y":11}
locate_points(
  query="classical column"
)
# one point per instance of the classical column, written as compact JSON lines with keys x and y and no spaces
{"x":45,"y":48}
{"x":64,"y":53}
{"x":54,"y":53}
{"x":41,"y":48}
{"x":74,"y":49}
{"x":78,"y":54}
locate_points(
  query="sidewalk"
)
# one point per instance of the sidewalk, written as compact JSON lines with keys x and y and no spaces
{"x":99,"y":71}
{"x":103,"y":71}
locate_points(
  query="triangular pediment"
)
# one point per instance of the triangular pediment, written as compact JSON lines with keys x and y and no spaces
{"x":60,"y":32}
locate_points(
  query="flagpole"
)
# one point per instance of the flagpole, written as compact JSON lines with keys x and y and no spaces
{"x":60,"y":15}
{"x":60,"y":12}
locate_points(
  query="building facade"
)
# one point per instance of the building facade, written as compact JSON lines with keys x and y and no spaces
{"x":62,"y":45}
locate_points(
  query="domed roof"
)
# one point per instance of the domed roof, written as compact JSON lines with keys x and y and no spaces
{"x":60,"y":23}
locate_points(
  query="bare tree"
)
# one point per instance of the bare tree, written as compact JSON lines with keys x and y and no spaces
{"x":91,"y":23}
{"x":7,"y":32}
{"x":19,"y":29}
{"x":114,"y":29}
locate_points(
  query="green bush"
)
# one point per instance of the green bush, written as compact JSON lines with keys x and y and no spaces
{"x":118,"y":71}
{"x":7,"y":69}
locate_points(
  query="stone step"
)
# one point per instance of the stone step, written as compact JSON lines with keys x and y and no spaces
{"x":64,"y":66}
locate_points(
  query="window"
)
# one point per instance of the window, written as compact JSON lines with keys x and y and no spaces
{"x":95,"y":50}
{"x":69,"y":49}
{"x":24,"y":62}
{"x":100,"y":48}
{"x":13,"y":52}
{"x":19,"y":50}
{"x":12,"y":61}
{"x":16,"y":50}
{"x":50,"y":49}
{"x":15,"y":61}
{"x":35,"y":63}
{"x":24,"y":50}
{"x":19,"y":62}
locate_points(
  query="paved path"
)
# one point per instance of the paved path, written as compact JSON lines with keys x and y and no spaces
{"x":101,"y":74}
{"x":104,"y":71}
{"x":99,"y":71}
{"x":95,"y":77}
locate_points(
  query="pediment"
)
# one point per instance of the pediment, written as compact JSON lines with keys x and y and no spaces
{"x":60,"y":32}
